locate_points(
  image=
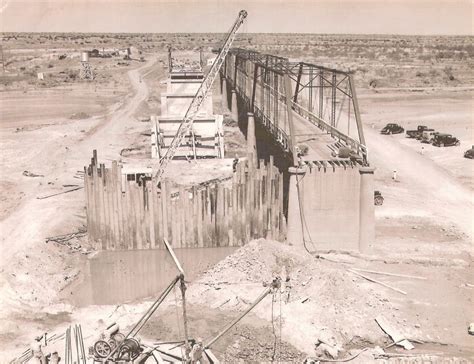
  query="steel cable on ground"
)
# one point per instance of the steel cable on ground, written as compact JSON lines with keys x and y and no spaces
{"x":177,"y":319}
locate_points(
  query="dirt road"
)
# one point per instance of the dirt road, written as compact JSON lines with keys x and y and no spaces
{"x":425,"y":187}
{"x":32,"y":271}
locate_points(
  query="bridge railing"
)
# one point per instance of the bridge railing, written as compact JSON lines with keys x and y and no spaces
{"x":357,"y":147}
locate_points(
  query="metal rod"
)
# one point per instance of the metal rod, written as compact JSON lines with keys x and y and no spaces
{"x":289,"y":111}
{"x":355,"y":104}
{"x":173,"y":255}
{"x":233,"y":323}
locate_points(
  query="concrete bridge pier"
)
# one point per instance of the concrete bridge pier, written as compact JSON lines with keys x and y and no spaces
{"x":331,"y":207}
{"x":234,"y":108}
{"x":367,"y":210}
{"x":251,"y":138}
{"x":225,"y":98}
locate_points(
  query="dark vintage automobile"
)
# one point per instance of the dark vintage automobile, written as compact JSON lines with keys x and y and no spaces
{"x":392,"y":129}
{"x":378,"y":198}
{"x":417,"y":132}
{"x":469,"y":153}
{"x":445,"y":140}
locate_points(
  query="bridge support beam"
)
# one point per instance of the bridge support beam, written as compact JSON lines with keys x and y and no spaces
{"x":251,"y":139}
{"x":367,"y":213}
{"x":234,"y":108}
{"x":295,"y":234}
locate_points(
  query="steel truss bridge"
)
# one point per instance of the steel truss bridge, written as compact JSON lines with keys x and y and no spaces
{"x":298,"y":103}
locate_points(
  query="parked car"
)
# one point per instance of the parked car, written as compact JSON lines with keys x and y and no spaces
{"x":417,"y":132}
{"x":392,"y":129}
{"x":445,"y":140}
{"x":378,"y":198}
{"x":428,"y":136}
{"x":469,"y":153}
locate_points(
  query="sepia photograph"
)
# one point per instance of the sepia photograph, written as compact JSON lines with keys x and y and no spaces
{"x":242,"y":181}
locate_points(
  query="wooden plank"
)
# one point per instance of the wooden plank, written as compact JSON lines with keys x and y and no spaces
{"x":200,"y":218}
{"x":158,"y":220}
{"x":389,"y":274}
{"x":133,"y":220}
{"x":396,"y":336}
{"x":89,"y":196}
{"x":208,"y":218}
{"x":115,"y":202}
{"x":193,"y":219}
{"x":127,"y":236}
{"x":219,"y":215}
{"x":118,"y":188}
{"x":165,"y":205}
{"x":95,"y":207}
{"x":150,"y":216}
{"x":378,"y":282}
{"x":153,"y":198}
{"x":183,"y":207}
{"x":101,"y":210}
{"x":108,"y":209}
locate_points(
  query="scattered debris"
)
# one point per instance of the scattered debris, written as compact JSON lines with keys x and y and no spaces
{"x":388,"y":274}
{"x":79,"y":116}
{"x":72,"y":241}
{"x":59,"y":193}
{"x":376,"y":281}
{"x":30,"y":174}
{"x":397,"y":338}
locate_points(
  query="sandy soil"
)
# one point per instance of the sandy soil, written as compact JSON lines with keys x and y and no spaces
{"x":32,"y":271}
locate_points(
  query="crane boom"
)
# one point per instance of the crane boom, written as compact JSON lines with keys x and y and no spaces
{"x":200,"y":96}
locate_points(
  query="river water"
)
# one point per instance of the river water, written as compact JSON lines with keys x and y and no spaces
{"x":115,"y":277}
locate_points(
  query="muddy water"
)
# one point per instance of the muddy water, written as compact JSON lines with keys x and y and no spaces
{"x":114,"y":277}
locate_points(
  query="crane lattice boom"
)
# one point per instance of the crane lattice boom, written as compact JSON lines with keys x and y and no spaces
{"x":200,"y":96}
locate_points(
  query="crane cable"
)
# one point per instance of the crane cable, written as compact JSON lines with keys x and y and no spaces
{"x":304,"y":224}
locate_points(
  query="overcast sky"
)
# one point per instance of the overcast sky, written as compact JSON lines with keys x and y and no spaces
{"x":450,"y":17}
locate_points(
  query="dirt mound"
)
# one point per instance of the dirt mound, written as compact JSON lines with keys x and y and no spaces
{"x":320,"y":303}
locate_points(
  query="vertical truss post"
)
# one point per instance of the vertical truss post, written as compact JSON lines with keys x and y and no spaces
{"x":310,"y":90}
{"x":355,"y":104}
{"x":333,"y":100}
{"x":289,"y":110}
{"x":321,"y":93}
{"x":298,"y":83}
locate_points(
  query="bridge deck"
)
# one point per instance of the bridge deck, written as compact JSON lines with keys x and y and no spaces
{"x":318,"y":98}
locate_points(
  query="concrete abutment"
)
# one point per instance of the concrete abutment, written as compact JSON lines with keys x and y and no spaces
{"x":331,"y":207}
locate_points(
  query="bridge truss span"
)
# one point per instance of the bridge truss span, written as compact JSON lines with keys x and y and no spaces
{"x":299,"y":102}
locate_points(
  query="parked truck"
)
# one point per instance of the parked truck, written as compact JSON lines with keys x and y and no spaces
{"x":428,"y":136}
{"x":417,"y":132}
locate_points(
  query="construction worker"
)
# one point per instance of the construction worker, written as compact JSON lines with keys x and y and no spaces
{"x":54,"y":358}
{"x":196,"y":352}
{"x":38,"y":356}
